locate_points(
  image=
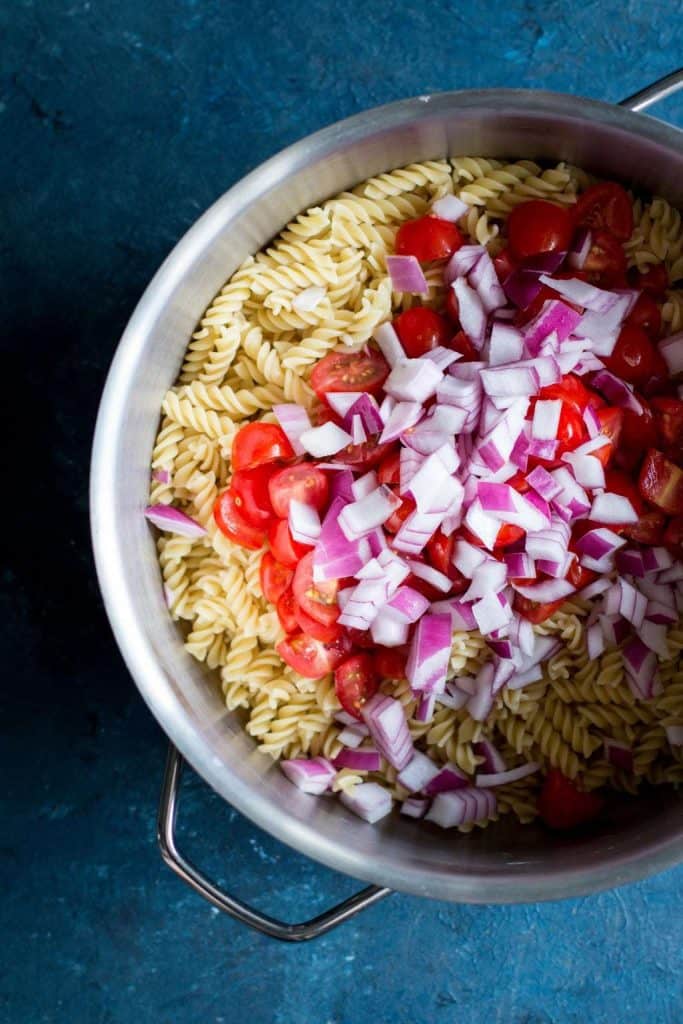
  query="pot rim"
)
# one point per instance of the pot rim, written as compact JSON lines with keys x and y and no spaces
{"x":613,"y":867}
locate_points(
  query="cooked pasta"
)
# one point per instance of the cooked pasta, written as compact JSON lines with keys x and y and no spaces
{"x":255,"y":348}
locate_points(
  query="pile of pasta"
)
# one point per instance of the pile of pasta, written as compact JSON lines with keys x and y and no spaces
{"x":253,"y":349}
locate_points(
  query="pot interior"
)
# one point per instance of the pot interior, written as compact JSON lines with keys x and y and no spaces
{"x":505,"y":862}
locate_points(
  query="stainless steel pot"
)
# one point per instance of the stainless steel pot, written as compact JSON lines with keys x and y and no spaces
{"x":505,"y":863}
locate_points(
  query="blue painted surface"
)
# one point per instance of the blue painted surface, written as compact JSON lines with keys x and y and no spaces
{"x":124,"y":120}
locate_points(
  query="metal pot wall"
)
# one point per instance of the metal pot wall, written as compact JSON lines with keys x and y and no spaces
{"x":506,"y":862}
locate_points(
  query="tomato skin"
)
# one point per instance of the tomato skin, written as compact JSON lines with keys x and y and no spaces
{"x":230,"y":521}
{"x":533,"y":611}
{"x":311,"y":658}
{"x":605,"y":264}
{"x":648,"y":530}
{"x":538,"y":226}
{"x":389,"y":469}
{"x":611,"y":421}
{"x":654,"y":281}
{"x":606,"y":207}
{"x":570,"y":389}
{"x":462,"y":344}
{"x":646,"y":315}
{"x":302,"y":482}
{"x":275,"y":578}
{"x":440,"y":552}
{"x":362,"y":457}
{"x":319,"y":600}
{"x":661,"y":483}
{"x":579,"y":576}
{"x":360,"y":637}
{"x":571,"y":432}
{"x":309,"y":626}
{"x":355,"y":681}
{"x":420,"y":330}
{"x":390,"y":662}
{"x":285,"y":549}
{"x":668,"y":413}
{"x":673,"y":536}
{"x":546,"y":294}
{"x":250,"y":487}
{"x":286,"y":609}
{"x":507,"y":535}
{"x":633,"y":355}
{"x":638,"y":433}
{"x":563,"y":806}
{"x":258,"y":443}
{"x":399,"y":515}
{"x":428,"y":238}
{"x":350,"y":371}
{"x":504,"y":264}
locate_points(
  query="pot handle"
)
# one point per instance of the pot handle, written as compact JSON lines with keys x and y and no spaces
{"x":166,"y":836}
{"x":659,"y":90}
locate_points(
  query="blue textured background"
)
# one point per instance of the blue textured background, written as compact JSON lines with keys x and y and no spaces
{"x":120,"y":122}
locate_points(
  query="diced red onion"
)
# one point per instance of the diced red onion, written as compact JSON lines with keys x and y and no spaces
{"x":484,"y":280}
{"x":418,"y":773}
{"x":466,"y":557}
{"x":460,"y":613}
{"x":674,"y":734}
{"x":415,"y":807}
{"x":304,"y":522}
{"x":387,"y":631}
{"x":389,"y":343}
{"x":462,"y":261}
{"x":580,"y":247}
{"x":546,"y":420}
{"x":353,"y":735}
{"x":364,"y":515}
{"x":172,"y":520}
{"x":311,"y":775}
{"x":617,"y":391}
{"x":554,"y":317}
{"x":641,"y":668}
{"x":436,"y":579}
{"x":488,"y":578}
{"x":488,"y":779}
{"x":386,"y":721}
{"x":670,"y":575}
{"x":671,"y":349}
{"x":449,"y":208}
{"x":521,"y":286}
{"x":406,"y":275}
{"x":490,"y":614}
{"x":364,"y":485}
{"x":653,"y":635}
{"x":471,"y":311}
{"x":424,"y":712}
{"x":162,"y":476}
{"x":413,"y":380}
{"x":587,"y":469}
{"x":306,"y":300}
{"x":581,"y":293}
{"x":368,"y":800}
{"x":612,"y":508}
{"x":660,"y":614}
{"x":416,"y":531}
{"x":460,"y":807}
{"x":545,"y":592}
{"x":407,"y":605}
{"x":358,"y":760}
{"x":506,"y":344}
{"x":510,"y":381}
{"x":620,"y":755}
{"x":445,"y":780}
{"x":429,"y":653}
{"x":483,"y":524}
{"x":327,"y":439}
{"x":366,"y":407}
{"x":493,"y":759}
{"x":520,"y":565}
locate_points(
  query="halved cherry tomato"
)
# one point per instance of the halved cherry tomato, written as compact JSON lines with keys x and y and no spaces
{"x":362,"y":457}
{"x":250,"y":487}
{"x":538,"y":226}
{"x":388,"y":471}
{"x":233,"y":524}
{"x":462,"y":344}
{"x":504,"y":264}
{"x":399,"y":515}
{"x":319,"y":600}
{"x":259,"y":443}
{"x":611,"y":422}
{"x":649,"y":529}
{"x":286,"y":611}
{"x":360,"y":637}
{"x":301,"y":482}
{"x":321,"y":413}
{"x":633,"y":355}
{"x":440,"y":552}
{"x":660,"y":382}
{"x":507,"y":535}
{"x":646,"y":314}
{"x":533,"y":611}
{"x":668,"y":413}
{"x":350,"y":371}
{"x":571,"y":432}
{"x":673,"y":536}
{"x":390,"y":662}
{"x":275,"y":578}
{"x":285,"y":549}
{"x":661,"y":483}
{"x":428,"y":238}
{"x":605,"y":264}
{"x":654,"y":281}
{"x":606,"y":207}
{"x":312,"y":658}
{"x":420,"y":330}
{"x":319,"y":631}
{"x":355,"y":681}
{"x":563,"y":805}
{"x":570,"y":389}
{"x":579,"y":576}
{"x":638,"y":433}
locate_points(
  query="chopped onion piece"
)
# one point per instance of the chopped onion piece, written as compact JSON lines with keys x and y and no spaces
{"x":674,"y":734}
{"x":619,"y":754}
{"x":294,"y":421}
{"x":365,"y":760}
{"x":546,"y":421}
{"x":368,"y":800}
{"x":304,"y":522}
{"x":360,"y":517}
{"x":506,"y":344}
{"x":406,"y":275}
{"x":449,"y":208}
{"x":487,"y":779}
{"x":471,"y":310}
{"x":462,"y":261}
{"x":445,"y":780}
{"x":612,"y":508}
{"x":172,"y":520}
{"x":325,"y":440}
{"x":386,"y":721}
{"x":389,"y":344}
{"x":429,"y":653}
{"x":671,"y":349}
{"x":415,"y":807}
{"x":308,"y":299}
{"x":459,"y":807}
{"x":311,"y":775}
{"x":413,"y":380}
{"x":419,"y":771}
{"x":545,"y":592}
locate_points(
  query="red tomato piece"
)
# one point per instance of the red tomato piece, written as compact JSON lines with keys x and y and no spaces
{"x":533,"y":611}
{"x":389,"y":469}
{"x":661,"y":483}
{"x":319,"y":631}
{"x":579,"y":576}
{"x":638,"y":433}
{"x":605,"y":264}
{"x":390,"y":662}
{"x":286,"y":611}
{"x":275,"y":578}
{"x":233,"y":524}
{"x":654,"y":281}
{"x":321,"y":413}
{"x":311,"y":658}
{"x":668,"y":413}
{"x":538,"y":226}
{"x":633,"y":355}
{"x":319,"y":600}
{"x":428,"y":238}
{"x":611,"y":422}
{"x":562,"y":805}
{"x":420,"y":330}
{"x":570,"y":389}
{"x":507,"y":535}
{"x":355,"y":681}
{"x":301,"y":482}
{"x":285,"y":549}
{"x":504,"y":264}
{"x":360,"y":637}
{"x":350,"y":371}
{"x":250,"y":487}
{"x":399,"y":515}
{"x":649,"y":529}
{"x":362,"y":457}
{"x":462,"y":344}
{"x":606,"y":207}
{"x":546,"y":294}
{"x":259,"y":443}
{"x":646,"y":315}
{"x":440,"y":552}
